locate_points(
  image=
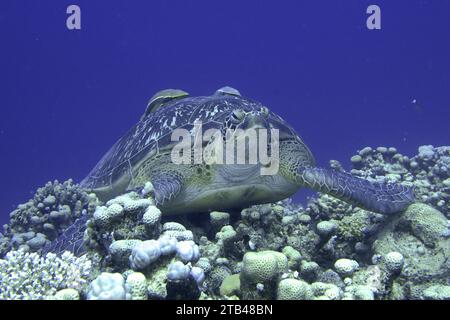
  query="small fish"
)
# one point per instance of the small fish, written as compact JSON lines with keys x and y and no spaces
{"x":417,"y":106}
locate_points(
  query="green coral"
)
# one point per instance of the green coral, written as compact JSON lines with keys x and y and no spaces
{"x":67,"y":294}
{"x":293,"y":289}
{"x":219,"y":219}
{"x":309,"y":269}
{"x":231,"y":286}
{"x":151,"y":219}
{"x":393,"y":262}
{"x":420,"y":239}
{"x":426,"y":223}
{"x":137,"y":284}
{"x":294,"y":257}
{"x":104,"y":216}
{"x":346,"y":266}
{"x":358,"y":292}
{"x":326,"y":228}
{"x":259,"y":267}
{"x":373,"y":277}
{"x":397,"y":291}
{"x":120,"y":250}
{"x":157,"y":283}
{"x":125,"y":217}
{"x":226,"y":234}
{"x":437,"y":292}
{"x":262,"y":269}
{"x":327,"y":291}
{"x":351,"y":227}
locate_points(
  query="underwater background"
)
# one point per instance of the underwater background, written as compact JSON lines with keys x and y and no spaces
{"x":67,"y":96}
{"x":374,"y":103}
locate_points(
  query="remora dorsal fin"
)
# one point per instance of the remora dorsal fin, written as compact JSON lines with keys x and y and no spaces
{"x":162,"y":97}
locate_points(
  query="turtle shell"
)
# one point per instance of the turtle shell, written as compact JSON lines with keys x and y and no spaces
{"x":113,"y":173}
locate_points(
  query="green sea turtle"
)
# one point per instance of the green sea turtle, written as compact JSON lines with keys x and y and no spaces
{"x":144,"y":154}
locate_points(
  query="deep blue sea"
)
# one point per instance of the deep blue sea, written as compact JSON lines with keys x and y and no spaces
{"x":67,"y":95}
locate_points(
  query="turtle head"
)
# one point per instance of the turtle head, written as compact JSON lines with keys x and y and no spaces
{"x":257,"y":118}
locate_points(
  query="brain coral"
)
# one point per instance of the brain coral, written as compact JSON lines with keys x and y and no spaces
{"x":394,"y":261}
{"x":263,"y":266}
{"x":346,"y":266}
{"x":137,"y":285}
{"x":427,"y":223}
{"x":293,"y":289}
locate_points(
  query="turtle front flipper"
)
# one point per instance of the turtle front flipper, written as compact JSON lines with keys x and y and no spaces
{"x":385,"y":198}
{"x":72,"y":239}
{"x":166,"y":185}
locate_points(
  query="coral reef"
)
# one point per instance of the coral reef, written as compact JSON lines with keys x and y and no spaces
{"x":53,"y":208}
{"x":326,"y":250}
{"x":428,"y":171}
{"x":156,"y":259}
{"x":415,"y":245}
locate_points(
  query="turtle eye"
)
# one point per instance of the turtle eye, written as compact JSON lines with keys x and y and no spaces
{"x":237,"y":116}
{"x":265,"y":111}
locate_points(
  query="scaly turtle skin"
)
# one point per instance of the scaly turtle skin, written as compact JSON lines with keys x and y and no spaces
{"x":144,"y":154}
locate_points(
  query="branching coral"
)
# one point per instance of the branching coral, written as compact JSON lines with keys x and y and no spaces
{"x":25,"y":276}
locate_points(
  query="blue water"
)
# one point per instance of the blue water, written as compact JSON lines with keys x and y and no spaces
{"x":67,"y":96}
